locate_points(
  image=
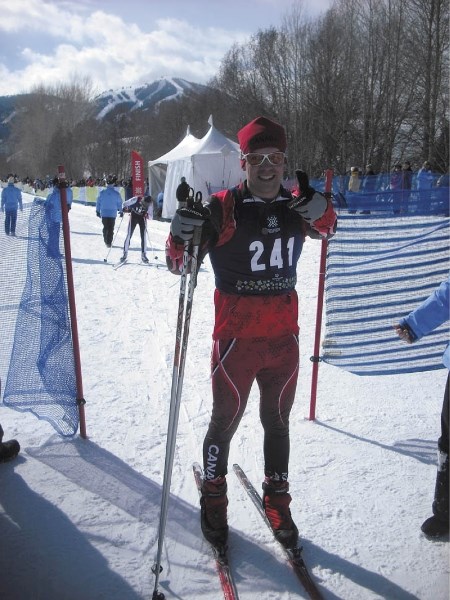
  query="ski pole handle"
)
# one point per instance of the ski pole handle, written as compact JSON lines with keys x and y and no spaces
{"x":190,"y":198}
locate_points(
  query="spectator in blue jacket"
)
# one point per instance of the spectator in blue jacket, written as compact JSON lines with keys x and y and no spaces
{"x":11,"y":201}
{"x":157,"y":213}
{"x":54,"y":216}
{"x":109,"y":203}
{"x":423,"y":320}
{"x":369,"y":183}
{"x":424,"y":183}
{"x":69,"y":192}
{"x":425,"y":177}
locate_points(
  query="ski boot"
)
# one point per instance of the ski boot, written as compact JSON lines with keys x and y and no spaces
{"x":9,"y":450}
{"x":437,"y":526}
{"x":213,"y":511}
{"x":276,"y":501}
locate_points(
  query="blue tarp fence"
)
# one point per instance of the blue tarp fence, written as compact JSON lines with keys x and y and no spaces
{"x":382,"y":264}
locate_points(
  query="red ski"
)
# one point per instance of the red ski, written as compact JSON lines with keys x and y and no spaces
{"x":220,"y":553}
{"x":293,"y":555}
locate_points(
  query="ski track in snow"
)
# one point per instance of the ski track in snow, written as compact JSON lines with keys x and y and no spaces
{"x":80,"y":517}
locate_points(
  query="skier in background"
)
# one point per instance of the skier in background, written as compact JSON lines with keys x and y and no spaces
{"x":434,"y":311}
{"x":254,"y":235}
{"x":10,"y":203}
{"x":109,"y":203}
{"x":140,"y":209}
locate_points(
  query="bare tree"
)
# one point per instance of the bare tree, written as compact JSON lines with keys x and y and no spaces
{"x":49,"y":117}
{"x":428,"y":45}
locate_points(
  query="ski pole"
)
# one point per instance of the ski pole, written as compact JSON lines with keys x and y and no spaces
{"x":114,"y":238}
{"x":149,"y":241}
{"x":179,"y":360}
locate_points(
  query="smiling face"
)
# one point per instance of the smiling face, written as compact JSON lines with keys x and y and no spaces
{"x":264,"y":180}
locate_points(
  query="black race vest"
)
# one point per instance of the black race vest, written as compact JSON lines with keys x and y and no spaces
{"x":261,"y":257}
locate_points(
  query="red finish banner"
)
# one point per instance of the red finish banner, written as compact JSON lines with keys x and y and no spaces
{"x":137,"y":173}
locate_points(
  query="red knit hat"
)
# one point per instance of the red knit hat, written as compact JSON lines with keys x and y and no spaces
{"x":262,"y":133}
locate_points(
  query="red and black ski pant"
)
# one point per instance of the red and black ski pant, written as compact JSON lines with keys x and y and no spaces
{"x":235,"y":365}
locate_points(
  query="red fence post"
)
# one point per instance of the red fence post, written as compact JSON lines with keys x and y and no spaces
{"x":322,"y":268}
{"x":71,"y":294}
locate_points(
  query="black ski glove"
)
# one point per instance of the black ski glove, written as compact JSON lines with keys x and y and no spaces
{"x":186,"y":219}
{"x":98,"y":214}
{"x":121,"y":214}
{"x":309,"y":204}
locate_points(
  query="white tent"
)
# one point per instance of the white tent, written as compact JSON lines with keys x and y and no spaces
{"x":209,"y":165}
{"x":158,"y":168}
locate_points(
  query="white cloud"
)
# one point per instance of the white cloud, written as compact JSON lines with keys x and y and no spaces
{"x":52,"y":41}
{"x":113,"y":53}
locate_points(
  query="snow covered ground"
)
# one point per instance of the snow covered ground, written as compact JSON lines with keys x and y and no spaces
{"x":79,"y":518}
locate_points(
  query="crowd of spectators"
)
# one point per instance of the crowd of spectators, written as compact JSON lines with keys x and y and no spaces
{"x":40,"y":184}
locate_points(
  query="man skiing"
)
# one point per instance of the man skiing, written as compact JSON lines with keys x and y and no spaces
{"x":140,"y":209}
{"x":109,"y":203}
{"x":254,"y":235}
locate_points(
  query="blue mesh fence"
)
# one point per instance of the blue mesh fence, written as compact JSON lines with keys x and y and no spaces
{"x":36,"y":359}
{"x":382,"y":264}
{"x":375,"y":194}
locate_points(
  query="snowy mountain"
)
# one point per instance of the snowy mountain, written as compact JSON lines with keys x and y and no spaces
{"x":112,"y":102}
{"x":147,"y":96}
{"x":7,"y":112}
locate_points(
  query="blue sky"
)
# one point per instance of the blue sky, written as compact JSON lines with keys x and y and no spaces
{"x":120,"y":43}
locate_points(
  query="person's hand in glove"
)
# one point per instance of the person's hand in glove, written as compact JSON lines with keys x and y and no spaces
{"x":98,"y":213}
{"x":186,"y":219}
{"x":309,"y":204}
{"x":405,"y":332}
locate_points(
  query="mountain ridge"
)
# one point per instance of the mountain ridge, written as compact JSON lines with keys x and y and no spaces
{"x":107,"y":104}
{"x":146,"y":96}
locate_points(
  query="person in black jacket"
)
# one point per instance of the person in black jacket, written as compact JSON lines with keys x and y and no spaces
{"x":182,"y":193}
